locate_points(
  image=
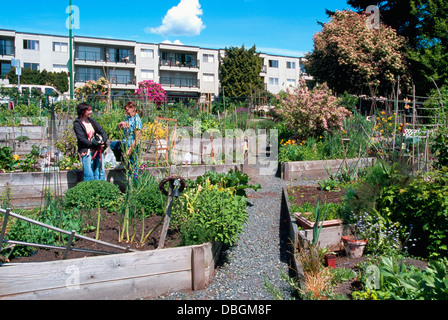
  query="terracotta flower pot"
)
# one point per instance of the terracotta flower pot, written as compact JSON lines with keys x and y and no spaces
{"x":354,"y":248}
{"x":330,"y":260}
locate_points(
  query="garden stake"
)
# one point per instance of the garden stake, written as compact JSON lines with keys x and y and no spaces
{"x":5,"y":223}
{"x":167,"y":219}
{"x":69,"y":244}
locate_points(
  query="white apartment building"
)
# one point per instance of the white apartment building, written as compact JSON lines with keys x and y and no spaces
{"x":183,"y":71}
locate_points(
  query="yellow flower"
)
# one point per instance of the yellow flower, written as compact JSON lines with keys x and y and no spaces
{"x":16,"y":157}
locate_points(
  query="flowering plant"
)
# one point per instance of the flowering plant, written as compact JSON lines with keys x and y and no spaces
{"x":312,"y":112}
{"x":152,"y":91}
{"x":383,"y":236}
{"x":352,"y":57}
{"x":154,"y":130}
{"x":92,"y":87}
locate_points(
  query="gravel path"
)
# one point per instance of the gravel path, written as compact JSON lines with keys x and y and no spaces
{"x":261,"y":255}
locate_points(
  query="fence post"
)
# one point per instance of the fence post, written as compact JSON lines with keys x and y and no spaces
{"x":5,"y":223}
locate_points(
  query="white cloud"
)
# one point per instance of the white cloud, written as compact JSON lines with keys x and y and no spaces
{"x":175,"y":42}
{"x":181,"y":20}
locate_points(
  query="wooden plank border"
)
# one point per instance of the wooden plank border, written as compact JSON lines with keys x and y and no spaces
{"x":329,"y":237}
{"x":126,"y":276}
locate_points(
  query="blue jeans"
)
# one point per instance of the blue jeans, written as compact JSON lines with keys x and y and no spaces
{"x":92,"y":167}
{"x":130,"y":165}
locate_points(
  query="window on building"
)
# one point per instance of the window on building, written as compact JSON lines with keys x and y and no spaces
{"x":83,"y":74}
{"x":120,"y":76}
{"x":208,"y":58}
{"x":147,"y":53}
{"x":60,"y":68}
{"x":31,"y":44}
{"x":147,"y":74}
{"x":60,"y":47}
{"x":6,"y":47}
{"x":88,"y":53}
{"x":273,"y":63}
{"x":273,"y":81}
{"x":291,"y":82}
{"x":30,"y":65}
{"x":5,"y":67}
{"x":208,"y":77}
{"x":290,"y":64}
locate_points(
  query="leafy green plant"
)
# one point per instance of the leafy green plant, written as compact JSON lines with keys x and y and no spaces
{"x":232,"y":179}
{"x":86,"y":194}
{"x":209,"y":213}
{"x":29,"y":163}
{"x":421,"y":207}
{"x":399,"y":281}
{"x":52,"y":214}
{"x":7,"y":161}
{"x":440,"y":147}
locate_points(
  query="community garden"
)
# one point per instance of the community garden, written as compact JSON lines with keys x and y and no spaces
{"x":392,"y":209}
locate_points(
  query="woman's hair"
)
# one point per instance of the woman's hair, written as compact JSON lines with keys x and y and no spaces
{"x":130,"y":105}
{"x":83,"y":107}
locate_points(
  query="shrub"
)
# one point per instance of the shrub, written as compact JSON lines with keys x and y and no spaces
{"x":421,"y":206}
{"x":149,"y":199}
{"x":312,"y":112}
{"x":90,"y":194}
{"x":234,"y":180}
{"x":210,"y":214}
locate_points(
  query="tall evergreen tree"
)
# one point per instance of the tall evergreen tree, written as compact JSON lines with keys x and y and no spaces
{"x":240,"y":71}
{"x":429,"y":58}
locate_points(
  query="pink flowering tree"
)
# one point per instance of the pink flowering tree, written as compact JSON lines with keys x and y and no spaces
{"x":350,"y":56}
{"x":149,"y":90}
{"x":312,"y":112}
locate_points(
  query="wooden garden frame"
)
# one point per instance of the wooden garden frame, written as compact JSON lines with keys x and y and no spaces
{"x":169,"y":144}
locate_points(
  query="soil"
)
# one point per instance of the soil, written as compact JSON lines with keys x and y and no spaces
{"x":312,"y":194}
{"x":109,"y":232}
{"x":110,"y":223}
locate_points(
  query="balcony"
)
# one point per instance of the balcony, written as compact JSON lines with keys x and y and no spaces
{"x":7,"y":49}
{"x":114,"y":80}
{"x":179,"y":82}
{"x":93,"y":56}
{"x":171,"y":63}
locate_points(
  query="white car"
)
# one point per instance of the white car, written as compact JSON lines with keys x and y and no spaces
{"x":47,"y":90}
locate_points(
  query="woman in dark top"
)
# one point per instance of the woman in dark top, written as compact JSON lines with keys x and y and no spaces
{"x":91,"y":143}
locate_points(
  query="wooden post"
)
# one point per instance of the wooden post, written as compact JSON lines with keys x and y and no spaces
{"x":166,"y":222}
{"x":197,"y":268}
{"x":5,"y":223}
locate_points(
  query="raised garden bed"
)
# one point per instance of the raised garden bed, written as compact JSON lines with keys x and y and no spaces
{"x":27,"y":187}
{"x":145,"y":273}
{"x":331,"y":234}
{"x":319,"y":169}
{"x":330,"y":237}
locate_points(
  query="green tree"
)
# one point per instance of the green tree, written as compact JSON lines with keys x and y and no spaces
{"x":59,"y":80}
{"x":429,"y":58}
{"x":240,"y":71}
{"x":395,"y":14}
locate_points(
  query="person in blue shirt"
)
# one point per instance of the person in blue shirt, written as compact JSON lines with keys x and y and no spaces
{"x":126,"y":151}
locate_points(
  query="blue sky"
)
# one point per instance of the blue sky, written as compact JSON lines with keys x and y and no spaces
{"x":284,"y":27}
